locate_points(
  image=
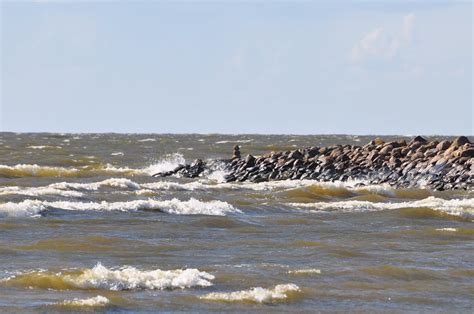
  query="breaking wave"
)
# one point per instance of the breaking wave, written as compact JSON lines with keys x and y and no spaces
{"x":38,"y":191}
{"x":447,"y":229}
{"x":167,"y":163}
{"x":32,"y":170}
{"x":304,"y":271}
{"x":233,"y":141}
{"x":101,"y":277}
{"x":456,"y":207}
{"x":214,"y":181}
{"x":257,"y":295}
{"x":174,"y":206}
{"x":44,"y":147}
{"x":94,"y":301}
{"x":113,"y":182}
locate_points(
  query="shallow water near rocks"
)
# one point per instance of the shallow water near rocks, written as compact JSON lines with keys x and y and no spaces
{"x":84,"y":227}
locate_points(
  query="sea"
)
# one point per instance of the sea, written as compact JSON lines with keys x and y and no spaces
{"x":84,"y":227}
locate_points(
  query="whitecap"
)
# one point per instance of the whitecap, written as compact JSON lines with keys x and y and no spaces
{"x":38,"y":191}
{"x":174,"y":206}
{"x":112,"y":182}
{"x":130,"y":278}
{"x":258,"y":294}
{"x":447,"y":229}
{"x":147,"y":140}
{"x":167,"y":163}
{"x":456,"y":207}
{"x":94,"y":301}
{"x":305,"y":271}
{"x":27,"y":208}
{"x":234,"y":141}
{"x":115,"y":279}
{"x":44,"y":147}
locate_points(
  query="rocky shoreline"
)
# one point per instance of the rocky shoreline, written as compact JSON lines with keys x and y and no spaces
{"x":445,"y":165}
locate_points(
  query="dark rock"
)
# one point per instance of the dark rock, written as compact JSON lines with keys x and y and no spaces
{"x":437,"y":165}
{"x":249,"y":161}
{"x":461,"y":140}
{"x":296,"y":154}
{"x":386,"y":149}
{"x":443,"y":145}
{"x":418,"y":139}
{"x":467,"y":153}
{"x":312,"y":152}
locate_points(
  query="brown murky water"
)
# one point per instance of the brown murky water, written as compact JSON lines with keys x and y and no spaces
{"x":84,"y":227}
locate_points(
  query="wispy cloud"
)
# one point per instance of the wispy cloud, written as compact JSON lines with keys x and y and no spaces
{"x":383,"y":44}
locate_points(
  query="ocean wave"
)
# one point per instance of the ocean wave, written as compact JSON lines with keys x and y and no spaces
{"x":32,"y":208}
{"x":44,"y":147}
{"x":38,"y":191}
{"x":101,"y":277}
{"x":214,"y":181}
{"x":455,"y":207}
{"x":304,"y":271}
{"x":167,"y":163}
{"x":257,"y":295}
{"x":33,"y":170}
{"x":27,"y":208}
{"x":234,"y":141}
{"x":92,"y":302}
{"x":147,"y":140}
{"x":447,"y":229}
{"x":112,"y":182}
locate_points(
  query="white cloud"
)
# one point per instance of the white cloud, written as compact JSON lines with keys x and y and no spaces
{"x":382,"y":44}
{"x":368,"y":45}
{"x":407,"y":27}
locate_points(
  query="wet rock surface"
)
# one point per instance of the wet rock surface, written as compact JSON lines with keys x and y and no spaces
{"x":436,"y":165}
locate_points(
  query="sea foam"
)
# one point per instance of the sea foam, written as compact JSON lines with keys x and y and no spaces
{"x":94,"y":301}
{"x":124,"y":278}
{"x":38,"y":191}
{"x":93,"y":186}
{"x":173,"y":206}
{"x":455,"y":207}
{"x":257,"y":295}
{"x":130,"y":278}
{"x":168,"y":162}
{"x":304,"y":271}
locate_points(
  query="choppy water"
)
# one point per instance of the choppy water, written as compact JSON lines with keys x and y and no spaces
{"x":83,"y":226}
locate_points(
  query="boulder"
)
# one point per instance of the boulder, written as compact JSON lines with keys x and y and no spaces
{"x":460,"y":141}
{"x":418,"y":139}
{"x":296,"y":154}
{"x":386,"y":149}
{"x":378,"y":141}
{"x":443,"y":145}
{"x":466,"y":153}
{"x":249,"y":161}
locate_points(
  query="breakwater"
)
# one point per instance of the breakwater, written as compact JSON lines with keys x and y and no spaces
{"x":438,"y":165}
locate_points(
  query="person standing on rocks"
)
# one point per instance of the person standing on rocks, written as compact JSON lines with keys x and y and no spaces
{"x":236,"y":154}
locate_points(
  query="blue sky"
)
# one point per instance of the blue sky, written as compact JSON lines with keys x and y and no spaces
{"x":382,"y":67}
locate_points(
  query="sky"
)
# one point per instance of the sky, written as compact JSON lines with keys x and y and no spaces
{"x":272,"y":67}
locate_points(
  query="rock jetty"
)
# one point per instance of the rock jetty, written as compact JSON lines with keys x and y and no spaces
{"x":444,"y":165}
